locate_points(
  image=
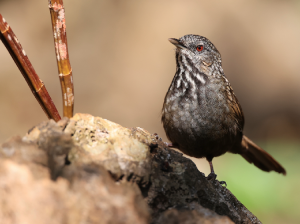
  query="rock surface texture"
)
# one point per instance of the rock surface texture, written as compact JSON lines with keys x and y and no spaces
{"x":90,"y":170}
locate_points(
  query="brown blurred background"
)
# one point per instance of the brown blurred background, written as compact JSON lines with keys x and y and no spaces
{"x":123,"y":63}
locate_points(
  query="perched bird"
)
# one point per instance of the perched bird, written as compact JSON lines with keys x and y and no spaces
{"x":201,"y":114}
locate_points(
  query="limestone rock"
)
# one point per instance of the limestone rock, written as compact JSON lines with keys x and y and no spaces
{"x":124,"y":152}
{"x":82,"y":193}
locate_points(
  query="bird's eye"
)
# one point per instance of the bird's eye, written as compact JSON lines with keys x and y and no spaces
{"x":199,"y":47}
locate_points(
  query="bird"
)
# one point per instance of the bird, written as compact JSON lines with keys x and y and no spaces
{"x":201,"y":115}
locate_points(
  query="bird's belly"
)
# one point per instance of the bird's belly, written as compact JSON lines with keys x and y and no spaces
{"x":199,"y":128}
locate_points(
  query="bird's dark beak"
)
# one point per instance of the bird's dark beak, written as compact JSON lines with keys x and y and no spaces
{"x":177,"y":43}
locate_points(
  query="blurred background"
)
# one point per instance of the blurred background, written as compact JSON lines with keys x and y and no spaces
{"x":123,"y":65}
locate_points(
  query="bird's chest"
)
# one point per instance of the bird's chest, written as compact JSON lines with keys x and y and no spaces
{"x":200,"y":114}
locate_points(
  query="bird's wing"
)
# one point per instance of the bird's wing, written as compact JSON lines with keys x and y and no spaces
{"x":236,"y":109}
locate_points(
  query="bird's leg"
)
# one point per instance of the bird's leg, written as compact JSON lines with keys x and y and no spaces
{"x":212,"y":175}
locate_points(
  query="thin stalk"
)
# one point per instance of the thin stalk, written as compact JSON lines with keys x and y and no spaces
{"x":36,"y":85}
{"x":57,"y":12}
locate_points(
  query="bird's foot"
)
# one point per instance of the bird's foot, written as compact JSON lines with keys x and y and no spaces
{"x":212,"y":176}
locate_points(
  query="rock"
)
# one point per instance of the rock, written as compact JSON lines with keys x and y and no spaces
{"x":26,"y":154}
{"x":88,"y":197}
{"x":197,"y":215}
{"x":82,"y":193}
{"x":89,"y":169}
{"x":176,"y":182}
{"x":124,"y":152}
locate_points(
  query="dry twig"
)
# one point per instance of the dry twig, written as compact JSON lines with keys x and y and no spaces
{"x":57,"y":12}
{"x":36,"y":85}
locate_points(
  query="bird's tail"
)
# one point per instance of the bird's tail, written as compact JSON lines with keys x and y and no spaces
{"x":259,"y":157}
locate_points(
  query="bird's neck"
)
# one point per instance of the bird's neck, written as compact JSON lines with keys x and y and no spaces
{"x":188,"y":74}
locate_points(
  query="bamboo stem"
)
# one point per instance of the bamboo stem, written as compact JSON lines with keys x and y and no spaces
{"x":57,"y":12}
{"x":36,"y":85}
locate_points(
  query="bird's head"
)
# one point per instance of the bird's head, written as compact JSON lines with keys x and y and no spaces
{"x":198,"y":49}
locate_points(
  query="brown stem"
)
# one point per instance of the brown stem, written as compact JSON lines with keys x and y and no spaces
{"x":36,"y":85}
{"x":57,"y":12}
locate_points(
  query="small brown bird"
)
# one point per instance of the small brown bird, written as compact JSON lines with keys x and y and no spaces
{"x":201,"y":115}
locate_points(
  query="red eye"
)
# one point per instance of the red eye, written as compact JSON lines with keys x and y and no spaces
{"x":199,"y":48}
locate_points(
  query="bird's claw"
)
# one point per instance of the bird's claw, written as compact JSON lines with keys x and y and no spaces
{"x":223,"y":182}
{"x":213,"y":177}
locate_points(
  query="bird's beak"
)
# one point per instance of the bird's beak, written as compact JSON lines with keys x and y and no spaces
{"x":177,"y":43}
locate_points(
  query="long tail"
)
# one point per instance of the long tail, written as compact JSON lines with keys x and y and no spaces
{"x":259,"y":157}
